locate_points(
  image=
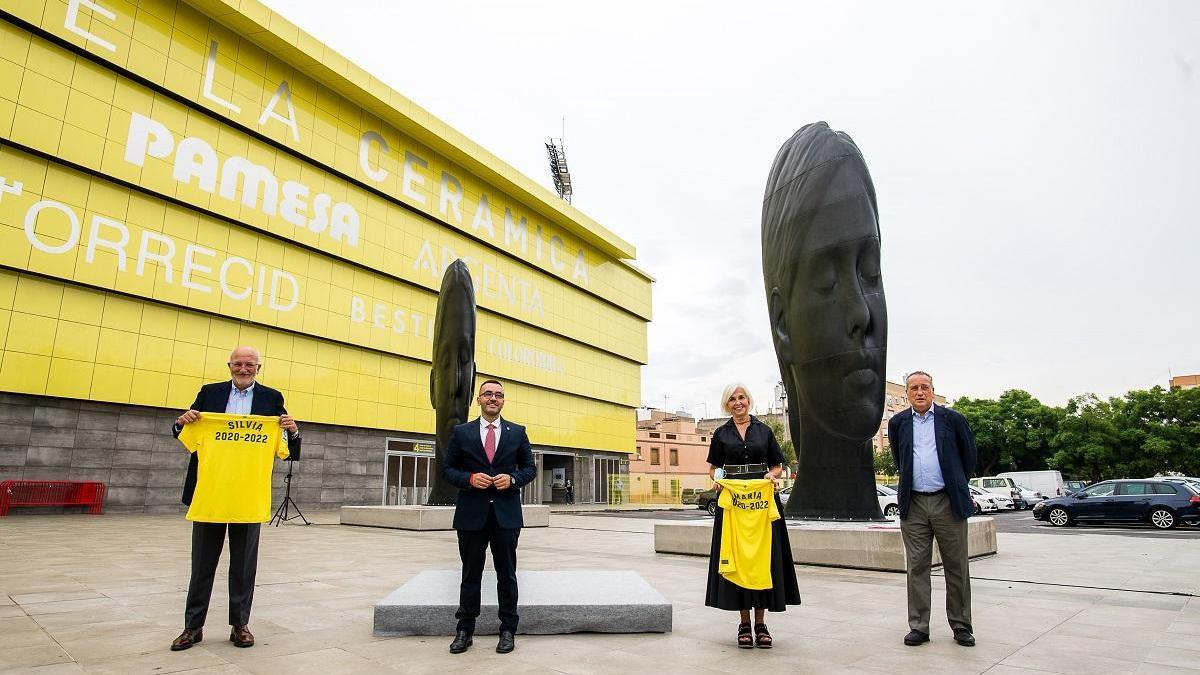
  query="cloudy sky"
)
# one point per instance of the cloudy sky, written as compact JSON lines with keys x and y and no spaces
{"x":1037,"y":165}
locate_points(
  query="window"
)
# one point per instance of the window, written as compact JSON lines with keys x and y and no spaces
{"x":654,"y":435}
{"x":639,"y":452}
{"x":654,"y":486}
{"x":1100,"y":490}
{"x":1164,"y":489}
{"x":670,"y":437}
{"x":1133,"y":489}
{"x":995,"y":483}
{"x":674,"y":456}
{"x":703,"y":439}
{"x":654,"y":456}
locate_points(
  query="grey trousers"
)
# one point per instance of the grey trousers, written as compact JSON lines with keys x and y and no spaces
{"x":930,"y":517}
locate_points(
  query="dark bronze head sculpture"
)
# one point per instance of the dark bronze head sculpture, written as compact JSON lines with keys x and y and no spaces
{"x":821,"y":265}
{"x":452,"y":374}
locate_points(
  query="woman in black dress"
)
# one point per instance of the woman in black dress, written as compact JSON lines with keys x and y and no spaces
{"x":742,"y":441}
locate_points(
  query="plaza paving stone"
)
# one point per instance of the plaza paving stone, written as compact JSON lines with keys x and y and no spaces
{"x":105,"y":594}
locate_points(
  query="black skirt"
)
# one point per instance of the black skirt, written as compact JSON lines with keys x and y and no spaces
{"x":724,"y":594}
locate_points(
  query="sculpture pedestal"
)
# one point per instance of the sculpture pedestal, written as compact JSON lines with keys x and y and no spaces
{"x":868,"y":546}
{"x":416,"y":517}
{"x":550,"y":603}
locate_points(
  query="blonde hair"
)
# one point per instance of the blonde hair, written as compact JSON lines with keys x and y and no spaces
{"x":728,"y":392}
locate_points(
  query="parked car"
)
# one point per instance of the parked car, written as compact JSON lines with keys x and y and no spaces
{"x":707,"y":500}
{"x":1031,"y":497}
{"x":1161,"y":503}
{"x":1070,"y":487}
{"x":889,"y":502}
{"x":1049,"y":482}
{"x":1002,"y":486}
{"x":784,"y":494}
{"x":984,"y":502}
{"x":1003,"y":502}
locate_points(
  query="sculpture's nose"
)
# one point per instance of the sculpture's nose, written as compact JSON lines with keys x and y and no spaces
{"x":858,"y":315}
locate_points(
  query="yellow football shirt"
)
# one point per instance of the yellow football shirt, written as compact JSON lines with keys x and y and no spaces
{"x":236,"y":454}
{"x":746,"y":531}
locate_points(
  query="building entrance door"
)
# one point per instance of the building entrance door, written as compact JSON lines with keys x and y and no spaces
{"x":408,"y":472}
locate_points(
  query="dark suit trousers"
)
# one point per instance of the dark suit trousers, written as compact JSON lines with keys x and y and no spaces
{"x":472,"y":548}
{"x":207,"y":541}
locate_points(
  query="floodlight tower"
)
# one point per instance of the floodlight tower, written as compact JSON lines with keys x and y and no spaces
{"x":557,"y":152}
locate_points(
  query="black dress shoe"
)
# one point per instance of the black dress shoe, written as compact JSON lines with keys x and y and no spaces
{"x":915,"y":637}
{"x":187,"y":638}
{"x":963,"y":637}
{"x":462,"y":642}
{"x":506,"y":643}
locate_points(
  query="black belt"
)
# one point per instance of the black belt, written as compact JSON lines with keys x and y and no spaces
{"x":930,"y":494}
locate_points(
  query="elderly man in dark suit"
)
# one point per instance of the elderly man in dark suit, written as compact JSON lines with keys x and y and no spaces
{"x":488,"y":459}
{"x":935,"y":455}
{"x":239,"y":395}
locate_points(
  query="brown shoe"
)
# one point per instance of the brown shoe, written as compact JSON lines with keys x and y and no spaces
{"x":241,"y":636}
{"x":189,"y":637}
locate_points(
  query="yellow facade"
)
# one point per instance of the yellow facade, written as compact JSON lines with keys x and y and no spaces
{"x":171,"y":186}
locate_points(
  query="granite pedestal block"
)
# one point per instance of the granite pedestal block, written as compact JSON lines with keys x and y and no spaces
{"x":860,"y":545}
{"x":417,"y":517}
{"x":550,"y":603}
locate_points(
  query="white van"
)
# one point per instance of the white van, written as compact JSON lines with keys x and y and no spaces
{"x":1049,"y":483}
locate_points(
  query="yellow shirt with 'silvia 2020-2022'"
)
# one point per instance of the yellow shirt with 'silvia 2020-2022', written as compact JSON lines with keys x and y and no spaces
{"x":233,"y":477}
{"x":749,"y":509}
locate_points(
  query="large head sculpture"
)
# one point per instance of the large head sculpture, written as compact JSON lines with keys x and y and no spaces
{"x":820,"y":243}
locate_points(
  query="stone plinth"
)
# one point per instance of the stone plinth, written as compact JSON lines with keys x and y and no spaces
{"x":417,"y":517}
{"x":550,"y":603}
{"x":869,"y":546}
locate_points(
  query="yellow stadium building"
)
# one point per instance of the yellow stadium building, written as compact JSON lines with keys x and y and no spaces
{"x":181,"y":177}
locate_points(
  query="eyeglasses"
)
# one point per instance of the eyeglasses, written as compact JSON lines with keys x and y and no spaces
{"x":492,"y":394}
{"x":238,"y":365}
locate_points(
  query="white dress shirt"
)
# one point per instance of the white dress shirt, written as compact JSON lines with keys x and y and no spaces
{"x":927,"y":470}
{"x":483,"y":429}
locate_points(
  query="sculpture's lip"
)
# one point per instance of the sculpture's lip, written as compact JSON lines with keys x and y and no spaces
{"x":863,"y":377}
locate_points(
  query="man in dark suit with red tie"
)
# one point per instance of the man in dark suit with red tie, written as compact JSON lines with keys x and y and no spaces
{"x":488,"y":460}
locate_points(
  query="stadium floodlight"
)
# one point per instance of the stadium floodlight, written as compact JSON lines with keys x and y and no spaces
{"x":557,"y":152}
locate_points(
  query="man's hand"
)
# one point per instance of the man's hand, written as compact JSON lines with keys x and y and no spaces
{"x":288,"y":423}
{"x":187,"y":417}
{"x":481,"y":481}
{"x":502,"y":482}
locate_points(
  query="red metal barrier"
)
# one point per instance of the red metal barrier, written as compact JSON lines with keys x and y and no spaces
{"x":52,"y":493}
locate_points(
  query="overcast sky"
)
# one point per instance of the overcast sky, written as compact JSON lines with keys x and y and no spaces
{"x":1036,"y":165}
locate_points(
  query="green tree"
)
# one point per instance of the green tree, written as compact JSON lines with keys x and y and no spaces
{"x":788,"y":448}
{"x":885,"y":464}
{"x":1088,"y":442}
{"x":1012,"y":433}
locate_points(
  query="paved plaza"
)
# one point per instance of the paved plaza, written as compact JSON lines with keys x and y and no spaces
{"x":105,"y":594}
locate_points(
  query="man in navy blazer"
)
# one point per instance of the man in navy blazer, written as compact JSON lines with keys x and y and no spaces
{"x":241,"y":395}
{"x":488,"y":459}
{"x":935,"y":455}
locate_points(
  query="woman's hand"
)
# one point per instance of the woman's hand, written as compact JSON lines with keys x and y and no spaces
{"x":774,"y":480}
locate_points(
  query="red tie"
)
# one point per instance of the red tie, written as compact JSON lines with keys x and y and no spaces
{"x":489,"y":443}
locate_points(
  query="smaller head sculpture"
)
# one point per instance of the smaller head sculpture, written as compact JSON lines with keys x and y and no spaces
{"x":821,"y":264}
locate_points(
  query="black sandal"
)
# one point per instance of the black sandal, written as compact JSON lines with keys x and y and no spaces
{"x":762,"y":637}
{"x":745,"y":637}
